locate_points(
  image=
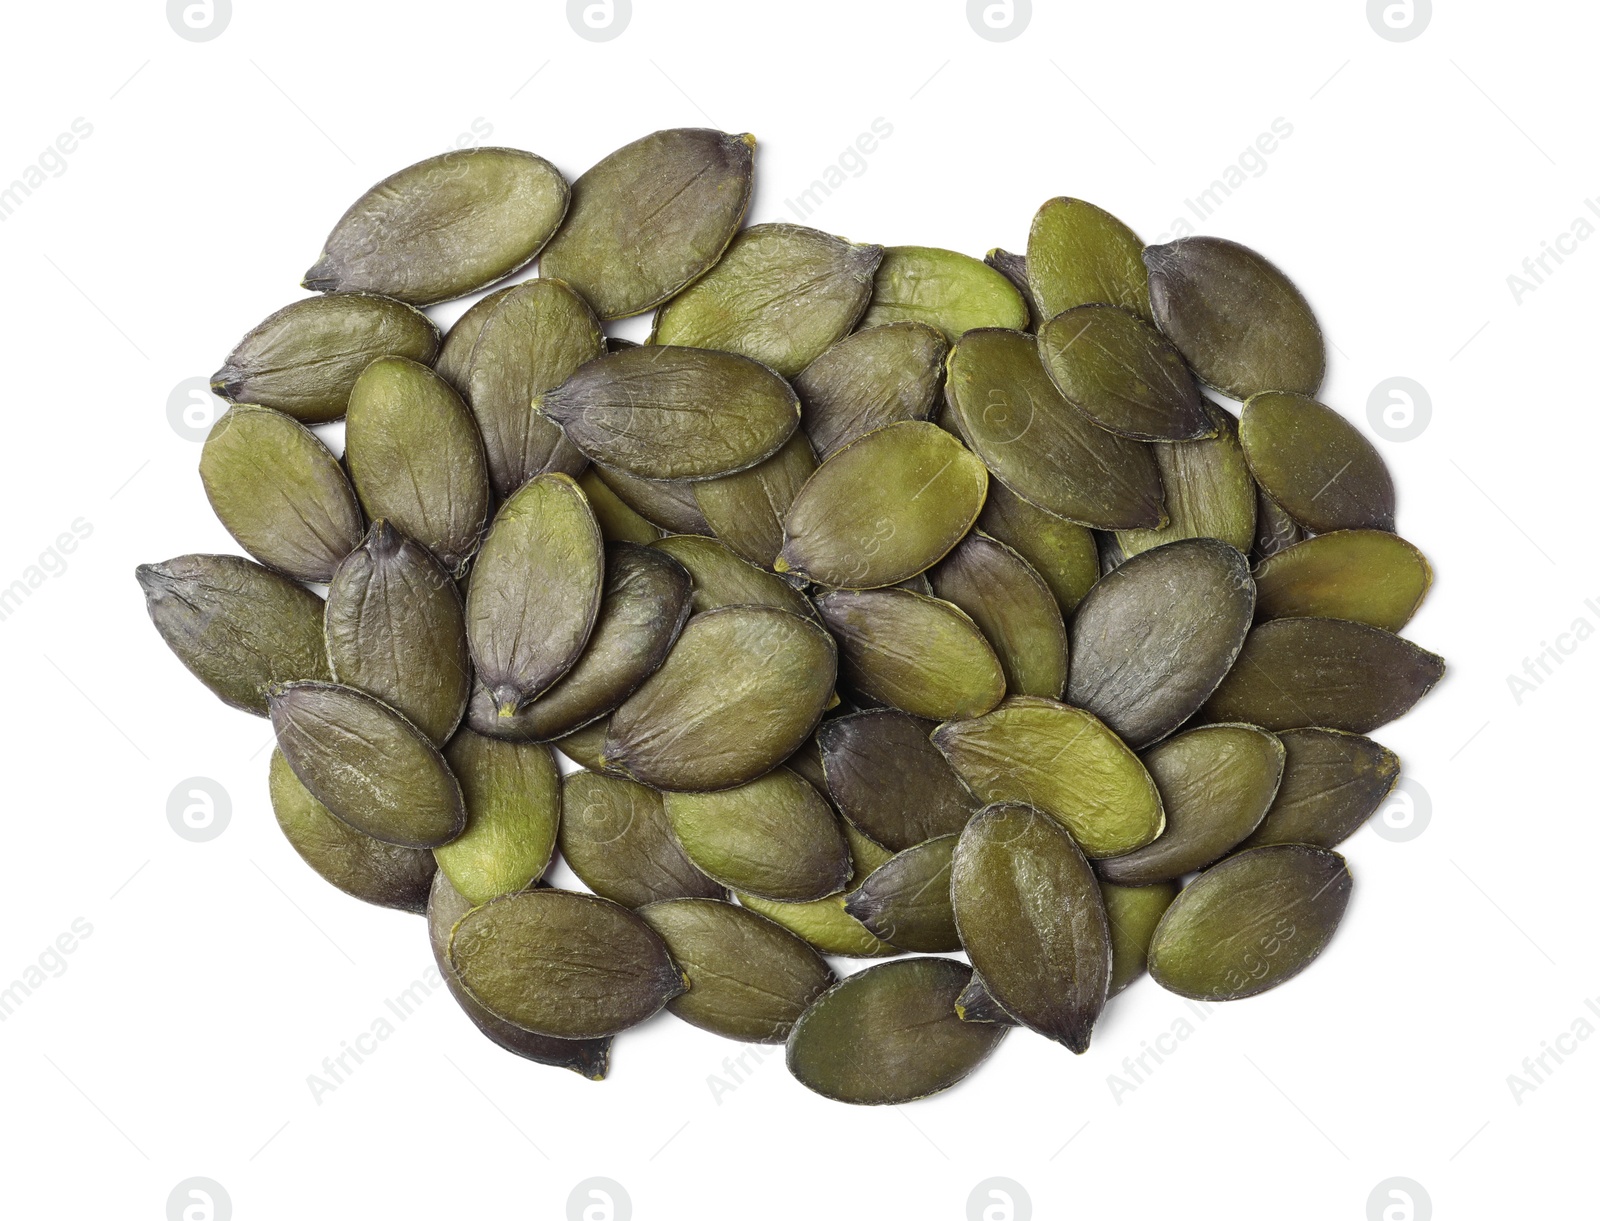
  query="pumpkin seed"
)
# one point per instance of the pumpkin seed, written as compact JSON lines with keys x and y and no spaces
{"x":780,"y":294}
{"x":1031,"y":918}
{"x":918,"y":654}
{"x":951,"y":292}
{"x":279,"y":491}
{"x":370,"y":766}
{"x":824,"y":923}
{"x":304,"y":359}
{"x":774,"y":837}
{"x":746,"y":510}
{"x":1332,"y":783}
{"x":444,"y":227}
{"x":1079,"y":254}
{"x":1329,"y":673}
{"x":616,"y":838}
{"x":883,"y":508}
{"x":1316,"y":465}
{"x":723,"y":579}
{"x":1275,"y":529}
{"x":665,"y":503}
{"x":889,"y":1034}
{"x":1040,"y":446}
{"x":1154,"y":638}
{"x":1015,"y":609}
{"x":1216,"y":783}
{"x":558,"y":963}
{"x":742,"y":688}
{"x":882,"y":375}
{"x":455,"y":353}
{"x":652,"y":217}
{"x":584,"y":746}
{"x":1062,"y":761}
{"x":1369,"y":576}
{"x":512,"y":792}
{"x":1251,"y":923}
{"x":976,"y":1005}
{"x":1063,"y":553}
{"x":1210,"y":492}
{"x":1014,"y":267}
{"x":618,"y":522}
{"x":1133,"y":913}
{"x":889,"y":781}
{"x":906,"y":900}
{"x":535,"y":591}
{"x":749,"y":978}
{"x":674,"y":413}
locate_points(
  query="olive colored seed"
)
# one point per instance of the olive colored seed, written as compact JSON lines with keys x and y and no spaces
{"x":615,"y":836}
{"x":1332,"y":783}
{"x":512,"y":792}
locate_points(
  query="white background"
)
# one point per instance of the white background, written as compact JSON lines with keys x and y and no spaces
{"x":178,"y":1040}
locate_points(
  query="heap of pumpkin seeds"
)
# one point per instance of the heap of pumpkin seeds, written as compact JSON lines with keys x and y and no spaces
{"x":887,"y":600}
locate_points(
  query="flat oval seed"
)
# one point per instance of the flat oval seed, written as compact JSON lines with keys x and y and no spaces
{"x":1251,"y":923}
{"x":1015,"y":609}
{"x":1032,"y":921}
{"x":1133,"y":913}
{"x":535,"y":591}
{"x":1062,"y":761}
{"x":1210,"y":491}
{"x":749,"y":978}
{"x":616,"y":837}
{"x":618,"y":522}
{"x":563,"y":964}
{"x":781,"y":294}
{"x":512,"y":792}
{"x":455,"y":353}
{"x":775,"y":837}
{"x":652,"y":217}
{"x":740,"y":691}
{"x":890,"y":781}
{"x":1062,"y":552}
{"x":906,"y":900}
{"x":824,"y":923}
{"x":882,"y":375}
{"x":1120,"y":372}
{"x":369,"y":765}
{"x":367,"y":868}
{"x":1240,"y":323}
{"x":397,"y":630}
{"x":280,"y":492}
{"x":918,"y":654}
{"x":1014,"y":267}
{"x":416,"y":458}
{"x":889,"y":1034}
{"x":533,"y":340}
{"x":304,"y":359}
{"x":238,"y":627}
{"x":952,"y":292}
{"x":1316,"y":465}
{"x":1369,"y":576}
{"x":444,"y":227}
{"x":884,"y":508}
{"x":1301,"y":673}
{"x":723,"y":579}
{"x":1154,"y":638}
{"x":666,"y":503}
{"x":1039,"y":445}
{"x":1332,"y":783}
{"x":1079,"y":254}
{"x":746,"y":510}
{"x":1216,"y":783}
{"x":674,"y":413}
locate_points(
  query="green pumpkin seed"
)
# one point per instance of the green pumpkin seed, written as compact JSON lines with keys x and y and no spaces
{"x":889,"y":1034}
{"x":723,"y":579}
{"x":951,"y":292}
{"x":1039,"y":445}
{"x":1015,"y":609}
{"x":882,"y":375}
{"x":1014,"y":267}
{"x":781,"y":294}
{"x":652,"y":217}
{"x":665,"y":503}
{"x":568,"y":965}
{"x":918,"y":654}
{"x":444,"y":227}
{"x":1120,"y":372}
{"x":396,"y":630}
{"x":370,"y":766}
{"x":1079,"y":254}
{"x":1330,"y":673}
{"x":1133,"y":913}
{"x":512,"y":792}
{"x":279,"y":491}
{"x":1062,"y":761}
{"x":746,"y":510}
{"x":584,"y":746}
{"x":616,"y":838}
{"x":674,"y":413}
{"x":889,"y":781}
{"x":1275,"y":529}
{"x":1240,"y":323}
{"x":1251,"y":923}
{"x":883,"y":508}
{"x":416,"y":458}
{"x":906,"y":900}
{"x":455,"y":353}
{"x":304,"y":359}
{"x":1154,"y":638}
{"x":976,"y":1005}
{"x":534,"y":339}
{"x":1063,"y":553}
{"x":367,"y":868}
{"x":1316,"y":465}
{"x":740,"y":691}
{"x":1210,"y":491}
{"x":775,"y":837}
{"x":807,"y":764}
{"x":618,"y":523}
{"x":535,"y":591}
{"x":824,"y":923}
{"x":1032,"y":921}
{"x":589,"y":1058}
{"x":749,"y":978}
{"x":237,"y":627}
{"x":1216,"y":783}
{"x":1332,"y":783}
{"x":1370,"y":576}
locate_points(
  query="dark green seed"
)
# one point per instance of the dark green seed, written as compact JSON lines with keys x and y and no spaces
{"x":619,"y":523}
{"x":1332,"y":783}
{"x":616,"y":838}
{"x":1209,"y":489}
{"x":890,"y":781}
{"x":882,"y":375}
{"x":1133,"y":913}
{"x":455,"y":353}
{"x":512,"y":792}
{"x":1014,"y":267}
{"x":951,"y":292}
{"x":1370,"y":576}
{"x":666,"y":503}
{"x":746,"y":510}
{"x":906,"y":900}
{"x":1079,"y":254}
{"x":1014,"y":608}
{"x":976,"y":1005}
{"x":824,"y":923}
{"x":1062,"y":552}
{"x":1315,"y":464}
{"x":1275,"y":529}
{"x":723,"y":579}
